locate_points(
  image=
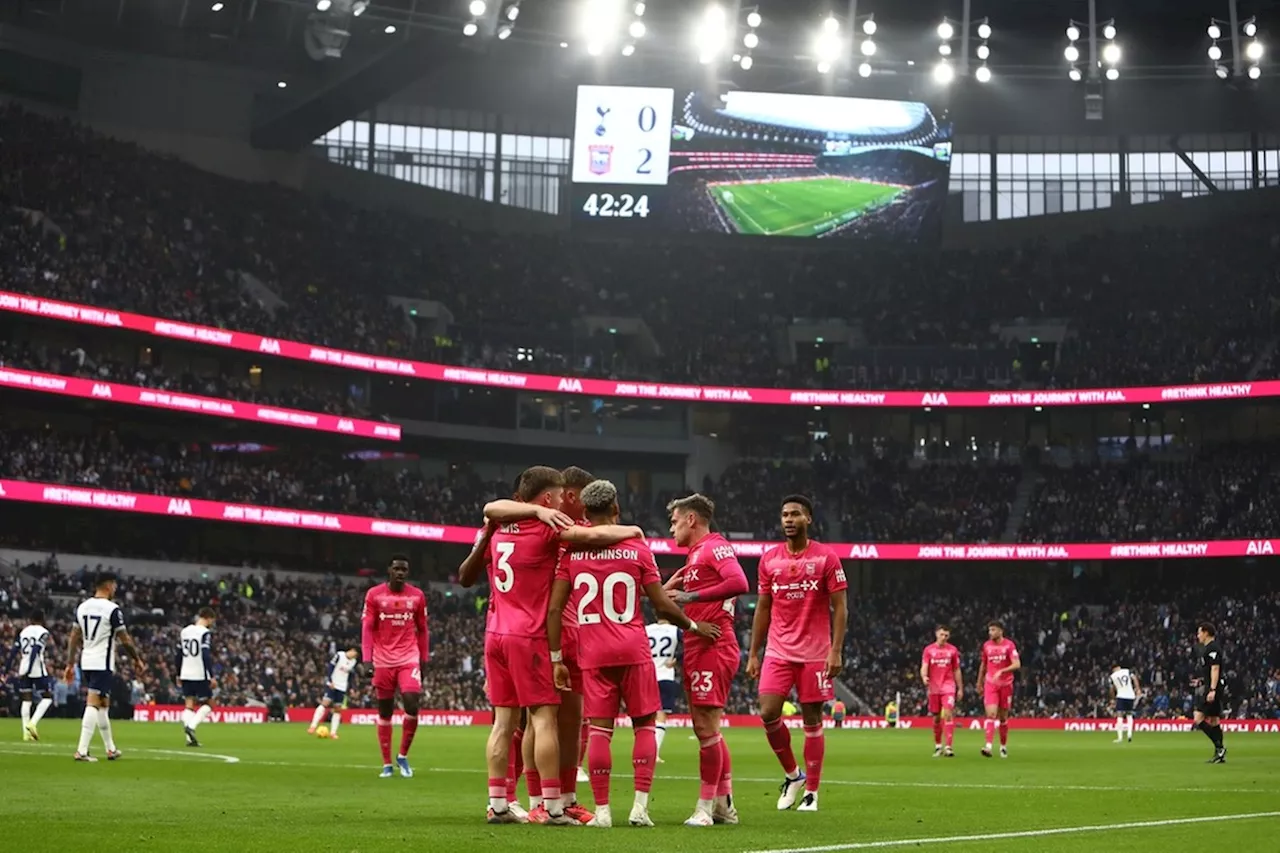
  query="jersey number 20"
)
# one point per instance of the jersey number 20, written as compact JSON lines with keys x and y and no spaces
{"x":611,"y":584}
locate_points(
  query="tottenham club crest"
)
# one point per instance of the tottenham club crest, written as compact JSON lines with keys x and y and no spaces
{"x":601,"y":159}
{"x":602,"y":112}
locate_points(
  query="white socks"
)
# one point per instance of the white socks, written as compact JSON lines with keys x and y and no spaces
{"x":104,"y":729}
{"x":45,"y":704}
{"x":334,"y":719}
{"x":26,"y":715}
{"x":88,"y":723}
{"x":202,"y":714}
{"x":317,"y":716}
{"x":660,"y":732}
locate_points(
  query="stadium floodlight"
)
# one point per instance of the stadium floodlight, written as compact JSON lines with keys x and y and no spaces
{"x":595,"y":48}
{"x":280,"y":84}
{"x":983,"y":74}
{"x":943,"y":73}
{"x":984,"y":30}
{"x":824,"y":67}
{"x":746,"y":62}
{"x":945,"y":30}
{"x":1250,"y":28}
{"x":1221,"y":71}
{"x":1254,"y":72}
{"x":868,"y":47}
{"x":1215,"y":31}
{"x":831,"y":25}
{"x":753,"y":19}
{"x":1073,"y":33}
{"x":639,"y":10}
{"x":1074,"y":74}
{"x":869,"y":26}
{"x":864,"y":69}
{"x":984,"y":52}
{"x":470,"y":29}
{"x":1254,"y":50}
{"x":323,"y":5}
{"x":1215,"y":52}
{"x":827,"y":44}
{"x":357,"y":8}
{"x":628,"y":49}
{"x":751,"y":40}
{"x":1111,"y":53}
{"x":504,"y":32}
{"x":637,"y":29}
{"x":513,"y":12}
{"x":1072,"y":53}
{"x":216,"y":7}
{"x":1109,"y":32}
{"x":944,"y":49}
{"x":477,"y":8}
{"x":563,"y":45}
{"x":1113,"y":73}
{"x":711,"y":34}
{"x":389,"y":29}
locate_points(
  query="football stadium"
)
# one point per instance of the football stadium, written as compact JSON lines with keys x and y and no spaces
{"x":418,"y":430}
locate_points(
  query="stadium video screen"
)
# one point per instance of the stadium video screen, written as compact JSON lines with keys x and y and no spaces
{"x":759,"y":163}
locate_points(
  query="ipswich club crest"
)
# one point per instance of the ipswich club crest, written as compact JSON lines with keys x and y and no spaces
{"x":600,"y":159}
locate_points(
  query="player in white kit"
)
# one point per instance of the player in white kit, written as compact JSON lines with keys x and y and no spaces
{"x":664,"y":641}
{"x":195,"y":671}
{"x":1124,"y":691}
{"x":33,"y":674}
{"x":337,"y":683}
{"x":99,"y":628}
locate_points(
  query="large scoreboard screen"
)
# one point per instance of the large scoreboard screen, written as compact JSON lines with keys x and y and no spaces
{"x":758,"y":163}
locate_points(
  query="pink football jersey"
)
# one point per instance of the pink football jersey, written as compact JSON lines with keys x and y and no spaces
{"x":608,"y":584}
{"x":941,"y":662}
{"x":393,"y":626}
{"x":997,"y":656}
{"x":800,"y":587}
{"x":711,"y":561}
{"x":522,"y":564}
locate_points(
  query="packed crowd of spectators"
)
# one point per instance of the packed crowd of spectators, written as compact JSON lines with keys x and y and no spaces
{"x":117,"y":226}
{"x":274,"y":637}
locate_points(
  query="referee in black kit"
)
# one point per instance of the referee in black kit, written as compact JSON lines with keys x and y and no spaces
{"x":1210,"y":689}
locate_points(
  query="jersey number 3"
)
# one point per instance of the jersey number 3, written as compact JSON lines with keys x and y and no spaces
{"x":504,"y":575}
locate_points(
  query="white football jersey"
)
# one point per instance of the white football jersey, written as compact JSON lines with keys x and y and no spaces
{"x":32,"y":643}
{"x":197,"y":650}
{"x":340,"y":669}
{"x":99,"y":619}
{"x":1122,"y":680}
{"x":663,"y":640}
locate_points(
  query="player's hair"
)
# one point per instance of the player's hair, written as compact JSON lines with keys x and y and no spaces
{"x":207,"y":613}
{"x":942,"y":626}
{"x":599,"y":496}
{"x":515,"y":486}
{"x":101,"y":579}
{"x":695,"y":503}
{"x":536,"y":480}
{"x":398,"y":558}
{"x":1208,"y":628}
{"x":577,"y":478}
{"x":799,"y":499}
{"x":996,"y":623}
{"x":37,"y":615}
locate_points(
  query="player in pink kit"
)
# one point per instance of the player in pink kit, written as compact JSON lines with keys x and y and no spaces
{"x":613,"y":652}
{"x":522,"y":562}
{"x":802,"y":596}
{"x":710,"y":580}
{"x":393,"y":631}
{"x":995,"y":673}
{"x":940,"y":671}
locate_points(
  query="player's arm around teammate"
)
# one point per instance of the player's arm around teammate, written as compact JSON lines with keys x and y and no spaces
{"x":505,"y":511}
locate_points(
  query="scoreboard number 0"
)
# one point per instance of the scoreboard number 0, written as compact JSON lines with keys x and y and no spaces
{"x":648,"y":116}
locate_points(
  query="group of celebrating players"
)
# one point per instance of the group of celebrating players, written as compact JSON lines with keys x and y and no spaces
{"x":566,"y":643}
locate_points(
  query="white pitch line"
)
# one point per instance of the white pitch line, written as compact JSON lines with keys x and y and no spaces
{"x":1030,"y":833}
{"x":45,"y":753}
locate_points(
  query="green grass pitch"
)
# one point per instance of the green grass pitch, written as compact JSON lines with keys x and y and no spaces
{"x":801,"y":208}
{"x":288,"y":791}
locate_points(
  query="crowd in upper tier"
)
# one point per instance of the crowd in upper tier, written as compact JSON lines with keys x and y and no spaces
{"x":1219,"y":492}
{"x":89,"y":219}
{"x":274,"y":637}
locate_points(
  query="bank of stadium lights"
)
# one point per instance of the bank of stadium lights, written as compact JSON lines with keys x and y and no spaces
{"x":1252,"y":53}
{"x":826,"y":44}
{"x":750,"y":39}
{"x":945,"y":71}
{"x":711,"y":33}
{"x":1109,"y":59}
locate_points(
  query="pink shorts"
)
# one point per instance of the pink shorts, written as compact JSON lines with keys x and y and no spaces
{"x":606,"y":688}
{"x":709,"y":670}
{"x":388,"y":679}
{"x":1000,"y":695}
{"x":940,"y":701}
{"x":518,"y":672}
{"x":569,"y":646}
{"x":809,"y":678}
